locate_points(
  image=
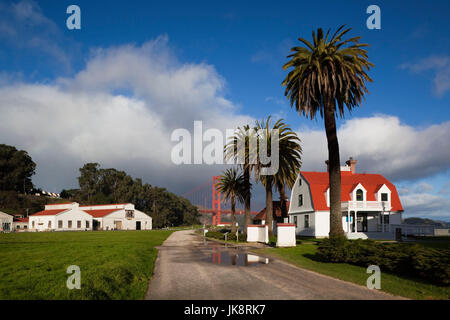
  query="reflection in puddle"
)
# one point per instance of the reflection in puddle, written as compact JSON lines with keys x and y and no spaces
{"x":236,"y":259}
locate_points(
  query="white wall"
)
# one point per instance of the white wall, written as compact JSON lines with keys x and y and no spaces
{"x":108,"y":221}
{"x":258,"y":233}
{"x":286,"y":235}
{"x":41,"y":223}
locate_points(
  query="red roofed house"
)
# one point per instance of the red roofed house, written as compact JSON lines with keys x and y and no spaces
{"x":73,"y":217}
{"x":20,"y":224}
{"x":369,"y":199}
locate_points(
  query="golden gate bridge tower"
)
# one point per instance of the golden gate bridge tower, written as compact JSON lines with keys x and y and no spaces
{"x":209,"y":201}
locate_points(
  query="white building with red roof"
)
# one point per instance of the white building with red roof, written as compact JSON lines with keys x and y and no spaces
{"x":73,"y":217}
{"x":371,"y":207}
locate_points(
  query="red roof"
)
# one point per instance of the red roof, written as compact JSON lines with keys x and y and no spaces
{"x":21,"y":219}
{"x":49,"y":212}
{"x":106,"y":204}
{"x":276,"y":208}
{"x":319,"y":182}
{"x":100,"y":213}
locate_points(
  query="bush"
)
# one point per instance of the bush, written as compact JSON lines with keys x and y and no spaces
{"x":221,"y":235}
{"x":403,"y":259}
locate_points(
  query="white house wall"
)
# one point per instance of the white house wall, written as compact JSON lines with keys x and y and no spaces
{"x":108,"y":221}
{"x":304,"y":190}
{"x":74,"y":215}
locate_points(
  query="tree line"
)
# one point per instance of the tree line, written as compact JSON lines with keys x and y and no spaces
{"x":96,"y":186}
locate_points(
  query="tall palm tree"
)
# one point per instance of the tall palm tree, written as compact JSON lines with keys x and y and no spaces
{"x":242,"y":137}
{"x":328,"y":76}
{"x":231,"y":186}
{"x":289,"y":161}
{"x":289,"y":168}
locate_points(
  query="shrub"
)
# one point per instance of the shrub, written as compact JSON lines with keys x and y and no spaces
{"x":411,"y":260}
{"x":221,"y":236}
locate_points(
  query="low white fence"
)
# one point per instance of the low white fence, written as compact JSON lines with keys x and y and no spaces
{"x":258,"y":233}
{"x":412,"y":229}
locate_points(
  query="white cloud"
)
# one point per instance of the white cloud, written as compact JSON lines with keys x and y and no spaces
{"x":82,"y":119}
{"x":426,"y":205}
{"x":440,"y":66}
{"x":382,"y":144}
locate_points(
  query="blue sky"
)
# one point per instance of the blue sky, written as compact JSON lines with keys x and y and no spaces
{"x":239,"y":47}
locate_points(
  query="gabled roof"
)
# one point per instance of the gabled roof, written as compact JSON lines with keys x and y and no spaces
{"x":319,"y":183}
{"x":49,"y":212}
{"x":100,"y":213}
{"x":21,"y":219}
{"x":276,"y":208}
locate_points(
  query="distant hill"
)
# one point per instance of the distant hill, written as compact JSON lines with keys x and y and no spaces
{"x":436,"y":223}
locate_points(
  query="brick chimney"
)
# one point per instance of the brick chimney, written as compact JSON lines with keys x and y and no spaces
{"x":352,"y":164}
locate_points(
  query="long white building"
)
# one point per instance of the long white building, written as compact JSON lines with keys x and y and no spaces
{"x":73,"y":217}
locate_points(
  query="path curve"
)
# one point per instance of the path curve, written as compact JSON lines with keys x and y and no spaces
{"x":184,"y":271}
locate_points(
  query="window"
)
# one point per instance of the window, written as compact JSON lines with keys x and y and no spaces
{"x":17,"y":227}
{"x":49,"y":225}
{"x":386,"y":219}
{"x":300,"y":182}
{"x":295,"y":221}
{"x":129,"y":214}
{"x":306,"y":220}
{"x":69,"y":224}
{"x":60,"y":224}
{"x":384,"y":197}
{"x":87,"y":224}
{"x":300,"y":200}
{"x":32,"y":224}
{"x":25,"y":227}
{"x":79,"y":224}
{"x":359,"y":195}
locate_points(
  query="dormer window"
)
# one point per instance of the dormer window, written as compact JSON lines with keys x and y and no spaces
{"x":359,"y":195}
{"x":384,"y":197}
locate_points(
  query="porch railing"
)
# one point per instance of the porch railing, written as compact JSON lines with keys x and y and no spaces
{"x":409,"y":229}
{"x":367,"y":205}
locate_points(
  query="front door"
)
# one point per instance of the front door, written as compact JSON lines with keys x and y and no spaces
{"x":118,"y":225}
{"x":364,"y":223}
{"x":138,"y":225}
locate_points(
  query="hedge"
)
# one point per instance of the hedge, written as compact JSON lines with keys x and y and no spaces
{"x":412,"y":260}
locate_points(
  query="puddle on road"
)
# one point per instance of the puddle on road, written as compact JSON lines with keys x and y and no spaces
{"x":236,"y":259}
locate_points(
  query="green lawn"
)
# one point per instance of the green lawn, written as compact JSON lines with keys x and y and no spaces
{"x":303,"y":255}
{"x":113,"y":264}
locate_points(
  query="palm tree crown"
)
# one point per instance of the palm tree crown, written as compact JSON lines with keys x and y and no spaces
{"x":329,"y":72}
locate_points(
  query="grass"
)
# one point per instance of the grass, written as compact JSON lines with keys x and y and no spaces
{"x":303,"y":255}
{"x":113,"y":264}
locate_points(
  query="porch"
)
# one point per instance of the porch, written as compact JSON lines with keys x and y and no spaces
{"x":369,"y":224}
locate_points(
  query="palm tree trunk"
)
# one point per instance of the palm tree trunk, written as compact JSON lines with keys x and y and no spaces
{"x":283,"y":199}
{"x":233,"y":215}
{"x":334,"y":169}
{"x":247,"y":198}
{"x":269,"y":205}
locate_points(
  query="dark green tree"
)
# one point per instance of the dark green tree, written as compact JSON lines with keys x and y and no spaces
{"x":16,"y":169}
